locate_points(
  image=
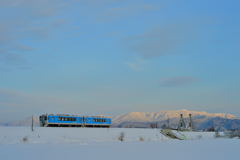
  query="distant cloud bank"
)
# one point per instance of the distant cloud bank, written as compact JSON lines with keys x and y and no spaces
{"x":177,"y":81}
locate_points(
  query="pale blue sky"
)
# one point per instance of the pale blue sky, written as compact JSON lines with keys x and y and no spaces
{"x":115,"y":56}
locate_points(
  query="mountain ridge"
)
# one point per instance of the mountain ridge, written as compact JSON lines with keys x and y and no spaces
{"x":202,"y":120}
{"x":165,"y":114}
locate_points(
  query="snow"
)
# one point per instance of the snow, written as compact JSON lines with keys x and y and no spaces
{"x":15,"y":135}
{"x":102,"y":143}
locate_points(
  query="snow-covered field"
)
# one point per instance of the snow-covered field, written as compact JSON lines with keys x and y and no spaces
{"x":103,"y":143}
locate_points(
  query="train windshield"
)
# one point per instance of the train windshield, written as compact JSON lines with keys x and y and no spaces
{"x":43,"y":117}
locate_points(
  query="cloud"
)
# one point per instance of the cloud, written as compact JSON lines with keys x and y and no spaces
{"x":22,"y":21}
{"x":112,"y":10}
{"x":36,"y":7}
{"x":24,"y":48}
{"x":127,"y":10}
{"x":136,"y":65}
{"x":97,"y":2}
{"x":160,"y":41}
{"x":15,"y":59}
{"x":177,"y":81}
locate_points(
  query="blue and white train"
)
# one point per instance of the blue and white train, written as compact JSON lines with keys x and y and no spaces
{"x":63,"y":120}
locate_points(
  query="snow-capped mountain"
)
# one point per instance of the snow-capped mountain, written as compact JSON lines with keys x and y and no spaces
{"x":164,"y":115}
{"x":201,"y":120}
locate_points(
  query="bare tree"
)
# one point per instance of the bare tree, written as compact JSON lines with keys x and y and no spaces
{"x":32,"y":125}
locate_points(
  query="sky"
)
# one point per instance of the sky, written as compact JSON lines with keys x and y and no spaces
{"x":111,"y":57}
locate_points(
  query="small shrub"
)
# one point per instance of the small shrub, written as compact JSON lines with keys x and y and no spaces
{"x":141,"y":139}
{"x":121,"y":137}
{"x":217,"y":134}
{"x":199,"y":137}
{"x":25,"y":139}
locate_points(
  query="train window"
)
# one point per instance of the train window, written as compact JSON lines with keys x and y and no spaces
{"x":99,"y":120}
{"x":67,"y":119}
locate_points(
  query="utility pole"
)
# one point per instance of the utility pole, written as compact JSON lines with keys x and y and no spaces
{"x":32,"y":125}
{"x":190,"y":126}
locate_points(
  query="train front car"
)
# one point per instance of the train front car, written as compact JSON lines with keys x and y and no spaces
{"x":43,"y":120}
{"x":61,"y":120}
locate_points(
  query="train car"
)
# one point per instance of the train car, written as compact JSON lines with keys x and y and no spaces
{"x":63,"y":120}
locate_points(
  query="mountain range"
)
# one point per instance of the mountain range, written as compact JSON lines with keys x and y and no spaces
{"x":201,"y":120}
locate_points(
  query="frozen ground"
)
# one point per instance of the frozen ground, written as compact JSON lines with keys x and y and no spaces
{"x":96,"y":143}
{"x":16,"y":135}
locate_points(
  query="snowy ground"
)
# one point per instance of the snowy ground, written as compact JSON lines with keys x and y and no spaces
{"x":101,"y":143}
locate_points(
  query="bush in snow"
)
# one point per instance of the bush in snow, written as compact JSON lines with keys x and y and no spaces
{"x":141,"y":139}
{"x":199,"y":137}
{"x":217,"y":134}
{"x":25,"y":139}
{"x":121,"y":137}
